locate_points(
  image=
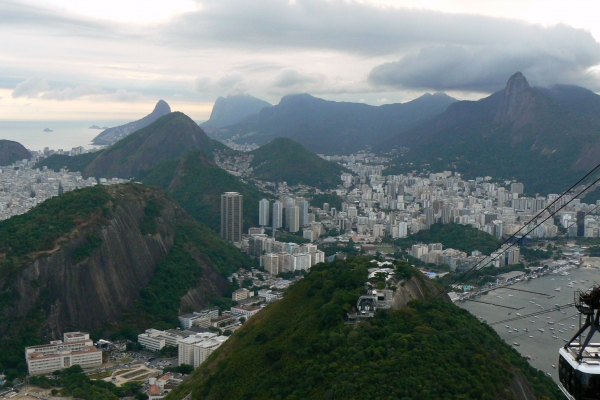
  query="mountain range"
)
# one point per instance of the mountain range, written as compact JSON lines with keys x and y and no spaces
{"x":331,"y":127}
{"x":112,"y":135}
{"x":175,"y":154}
{"x":543,"y":137}
{"x":233,"y":108}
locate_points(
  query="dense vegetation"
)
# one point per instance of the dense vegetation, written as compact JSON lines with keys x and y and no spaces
{"x":27,"y":236}
{"x":331,"y":127}
{"x":332,"y":199}
{"x":168,"y":138}
{"x":11,"y":151}
{"x":199,"y":258}
{"x":183,"y":269}
{"x":73,"y":382}
{"x":76,"y":163}
{"x":39,"y":229}
{"x":283,"y":159}
{"x":197,"y":185}
{"x":299,"y":347}
{"x":461,"y":237}
{"x":552,"y":143}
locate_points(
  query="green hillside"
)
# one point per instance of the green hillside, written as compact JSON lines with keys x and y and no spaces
{"x":176,"y":155}
{"x":460,"y":237}
{"x":196,"y":183}
{"x":75,"y":163}
{"x":70,"y":236}
{"x":545,"y":138}
{"x":170,"y":137}
{"x":299,"y":348}
{"x":283,"y":159}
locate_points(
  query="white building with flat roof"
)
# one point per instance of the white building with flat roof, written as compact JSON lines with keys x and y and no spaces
{"x":76,"y":349}
{"x":194,"y":349}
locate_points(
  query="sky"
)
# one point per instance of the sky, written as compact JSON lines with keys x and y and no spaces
{"x":114,"y":59}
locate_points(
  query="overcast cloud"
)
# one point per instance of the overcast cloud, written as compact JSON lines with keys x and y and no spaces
{"x":338,"y":49}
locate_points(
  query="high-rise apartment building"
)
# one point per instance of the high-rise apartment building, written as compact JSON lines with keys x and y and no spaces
{"x":277,"y":214}
{"x":580,"y":223}
{"x":429,"y":217}
{"x":303,"y":205}
{"x":294,"y":218}
{"x":231,"y":216}
{"x":263,"y":212}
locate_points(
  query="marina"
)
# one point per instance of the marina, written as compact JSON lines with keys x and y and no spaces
{"x":542,"y":325}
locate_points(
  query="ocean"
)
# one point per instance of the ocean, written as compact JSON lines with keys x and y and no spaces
{"x":542,"y":347}
{"x":65,"y":134}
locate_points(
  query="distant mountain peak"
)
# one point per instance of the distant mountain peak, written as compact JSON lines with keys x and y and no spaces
{"x":161,"y":108}
{"x":233,"y":108}
{"x":517,"y":102}
{"x":112,"y":135}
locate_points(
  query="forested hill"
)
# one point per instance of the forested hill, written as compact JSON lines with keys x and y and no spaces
{"x":127,"y":252}
{"x":460,"y":237}
{"x":196,"y":183}
{"x":545,"y":138}
{"x":170,"y":137}
{"x":112,"y":135}
{"x":331,"y":127}
{"x":11,"y":151}
{"x":175,"y":154}
{"x":300,"y":348}
{"x":283,"y":159}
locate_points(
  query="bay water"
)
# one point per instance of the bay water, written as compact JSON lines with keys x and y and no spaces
{"x":65,"y":134}
{"x":542,"y":347}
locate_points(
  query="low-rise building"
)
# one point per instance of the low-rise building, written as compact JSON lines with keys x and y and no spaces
{"x":240,"y":294}
{"x":194,"y":349}
{"x":154,"y":340}
{"x":76,"y":348}
{"x":246,"y":311}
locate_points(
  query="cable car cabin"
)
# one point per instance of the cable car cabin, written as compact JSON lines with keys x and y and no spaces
{"x":580,"y":380}
{"x":579,"y":362}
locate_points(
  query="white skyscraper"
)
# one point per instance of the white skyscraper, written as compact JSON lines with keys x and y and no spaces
{"x":277,"y":214}
{"x":263,"y":212}
{"x":402,"y":229}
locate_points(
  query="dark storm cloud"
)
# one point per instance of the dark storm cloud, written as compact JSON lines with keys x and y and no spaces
{"x":546,"y":56}
{"x":433,"y":50}
{"x":424,"y":49}
{"x":288,"y":77}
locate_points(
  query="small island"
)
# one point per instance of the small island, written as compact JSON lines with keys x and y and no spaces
{"x":47,"y":130}
{"x":94,"y":127}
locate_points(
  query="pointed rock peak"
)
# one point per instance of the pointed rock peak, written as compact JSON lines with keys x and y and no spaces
{"x":516,"y":84}
{"x":517,"y":103}
{"x":161,"y":108}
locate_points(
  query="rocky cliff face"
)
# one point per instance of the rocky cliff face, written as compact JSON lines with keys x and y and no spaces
{"x":416,"y":288}
{"x":96,"y":290}
{"x":520,"y":106}
{"x":71,"y":292}
{"x":234,"y":108}
{"x":12,"y":151}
